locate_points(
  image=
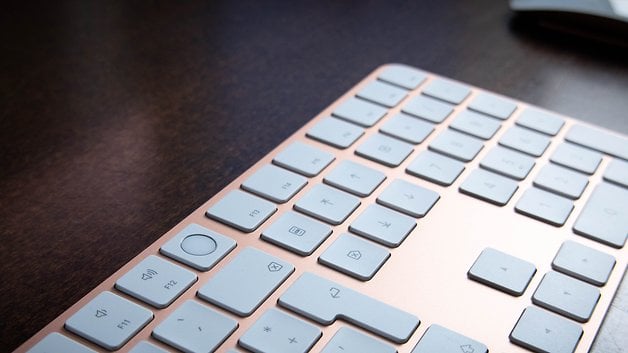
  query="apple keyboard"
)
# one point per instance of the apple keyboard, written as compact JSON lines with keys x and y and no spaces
{"x":416,"y":214}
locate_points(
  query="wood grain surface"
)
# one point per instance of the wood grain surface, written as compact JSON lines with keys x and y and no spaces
{"x":118,"y":118}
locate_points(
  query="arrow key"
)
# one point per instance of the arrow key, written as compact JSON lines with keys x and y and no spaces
{"x":541,"y":331}
{"x":566,"y":296}
{"x":502,"y":271}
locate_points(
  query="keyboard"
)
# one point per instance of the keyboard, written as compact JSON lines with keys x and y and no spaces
{"x":414,"y":214}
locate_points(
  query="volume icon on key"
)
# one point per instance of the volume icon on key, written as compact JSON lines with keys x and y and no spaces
{"x":149,"y":274}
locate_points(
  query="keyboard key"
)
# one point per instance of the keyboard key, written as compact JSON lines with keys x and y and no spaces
{"x":354,"y":256}
{"x":457,"y":145}
{"x":524,"y":140}
{"x":109,"y":320}
{"x":195,"y":328}
{"x":347,"y":340}
{"x":495,"y":106}
{"x":385,"y":150}
{"x":383,"y":225}
{"x":276,"y":331}
{"x":407,"y":128}
{"x":489,"y":187}
{"x":382,"y":93}
{"x":599,"y":140}
{"x":617,"y":172}
{"x":605,"y":216}
{"x":297,"y":233}
{"x":327,"y":204}
{"x":541,"y":121}
{"x":359,"y":111}
{"x":303,"y":159}
{"x":502,"y":271}
{"x":198,"y":247}
{"x":403,"y":76}
{"x":578,"y":158}
{"x":274,"y":183}
{"x":335,"y":132}
{"x":540,"y":332}
{"x":475,"y":124}
{"x":508,"y":163}
{"x":449,"y":91}
{"x":241,"y":210}
{"x":428,"y":109}
{"x":544,"y":206}
{"x":438,"y":339}
{"x":566,"y":296}
{"x":145,"y":347}
{"x":562,"y":181}
{"x":584,"y":263}
{"x":243,"y":284}
{"x":408,"y":198}
{"x":435,"y":168}
{"x":355,"y":178}
{"x":325,"y":301}
{"x":156,"y":281}
{"x":58,"y":343}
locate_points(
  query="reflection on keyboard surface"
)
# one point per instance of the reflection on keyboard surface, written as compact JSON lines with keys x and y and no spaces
{"x":415,"y":214}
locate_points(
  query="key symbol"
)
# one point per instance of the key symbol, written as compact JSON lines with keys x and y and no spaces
{"x":334,"y":292}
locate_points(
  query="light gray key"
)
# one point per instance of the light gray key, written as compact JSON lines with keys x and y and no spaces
{"x":541,"y":121}
{"x":408,"y":198}
{"x":475,"y":124}
{"x":109,"y":320}
{"x":195,"y":328}
{"x":241,"y":210}
{"x":599,"y":140}
{"x":428,"y":109}
{"x":449,"y":91}
{"x":303,"y":159}
{"x":605,"y":216}
{"x":525,"y":141}
{"x":407,"y":128}
{"x":347,"y":340}
{"x":541,"y":332}
{"x":617,"y":172}
{"x":58,"y":343}
{"x":383,"y":93}
{"x":403,"y":76}
{"x":274,"y":183}
{"x":354,"y":256}
{"x":355,"y":178}
{"x":566,"y":296}
{"x":544,"y":206}
{"x":335,"y":132}
{"x":438,"y":339}
{"x":457,"y":145}
{"x":156,"y":281}
{"x":489,"y":187}
{"x":502,"y":271}
{"x":145,"y":347}
{"x":297,"y":233}
{"x":561,"y":180}
{"x":383,"y":225}
{"x":325,"y":301}
{"x":327,"y":204}
{"x":244,"y":283}
{"x":198,"y":247}
{"x":508,"y":163}
{"x":577,"y":158}
{"x":493,"y":105}
{"x":360,"y":112}
{"x":435,"y":168}
{"x":385,"y":150}
{"x":276,"y":331}
{"x":584,"y":263}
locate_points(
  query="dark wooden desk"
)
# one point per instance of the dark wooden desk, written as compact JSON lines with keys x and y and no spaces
{"x":117,"y":119}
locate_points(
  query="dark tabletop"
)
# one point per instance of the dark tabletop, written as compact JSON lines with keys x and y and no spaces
{"x":117,"y":119}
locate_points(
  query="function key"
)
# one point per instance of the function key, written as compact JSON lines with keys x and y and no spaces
{"x":577,"y":158}
{"x":241,"y":210}
{"x":428,"y":109}
{"x":544,"y":206}
{"x":449,"y":91}
{"x":541,"y":331}
{"x":599,"y":140}
{"x":501,"y":271}
{"x":274,"y":183}
{"x":335,"y":132}
{"x":438,"y":339}
{"x":541,"y":121}
{"x":403,"y":76}
{"x":617,"y":172}
{"x":566,"y":296}
{"x":361,"y":112}
{"x":584,"y":263}
{"x":605,"y":216}
{"x":493,"y":105}
{"x":303,"y":159}
{"x":382,"y":93}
